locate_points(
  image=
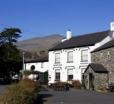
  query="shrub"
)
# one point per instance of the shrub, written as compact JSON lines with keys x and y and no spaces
{"x":60,"y":86}
{"x":25,"y":92}
{"x":26,"y":72}
{"x":76,"y":84}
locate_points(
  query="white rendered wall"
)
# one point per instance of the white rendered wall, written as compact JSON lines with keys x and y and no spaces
{"x":77,"y":65}
{"x":38,"y":66}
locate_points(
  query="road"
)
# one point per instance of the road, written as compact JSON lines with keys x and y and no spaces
{"x":2,"y":88}
{"x":76,"y":97}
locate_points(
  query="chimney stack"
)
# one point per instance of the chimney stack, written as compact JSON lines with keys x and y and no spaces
{"x":112,"y":26}
{"x":68,"y":34}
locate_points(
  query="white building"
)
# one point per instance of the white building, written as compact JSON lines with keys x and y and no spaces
{"x":69,"y":59}
{"x":40,"y":65}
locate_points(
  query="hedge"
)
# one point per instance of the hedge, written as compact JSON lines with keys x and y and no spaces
{"x":25,"y":92}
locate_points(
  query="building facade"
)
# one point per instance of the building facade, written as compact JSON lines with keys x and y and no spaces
{"x":39,"y":69}
{"x":69,"y":59}
{"x":95,"y":77}
{"x":40,"y":65}
{"x":105,"y":56}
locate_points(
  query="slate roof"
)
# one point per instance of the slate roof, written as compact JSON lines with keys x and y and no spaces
{"x":98,"y":68}
{"x":44,"y":59}
{"x":105,"y":46}
{"x":81,"y":41}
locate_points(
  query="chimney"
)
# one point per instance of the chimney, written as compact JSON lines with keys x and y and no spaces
{"x":68,"y":34}
{"x":112,"y":26}
{"x":112,"y":30}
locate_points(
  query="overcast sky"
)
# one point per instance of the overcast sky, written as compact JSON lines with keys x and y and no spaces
{"x":44,"y":17}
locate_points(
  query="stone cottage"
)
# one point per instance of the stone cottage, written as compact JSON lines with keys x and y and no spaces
{"x":105,"y":56}
{"x":95,"y":77}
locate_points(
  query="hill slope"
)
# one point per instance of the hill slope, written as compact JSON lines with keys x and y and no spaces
{"x":39,"y":46}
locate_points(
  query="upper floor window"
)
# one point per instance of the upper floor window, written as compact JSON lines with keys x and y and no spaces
{"x":57,"y":57}
{"x":70,"y":56}
{"x":84,"y":55}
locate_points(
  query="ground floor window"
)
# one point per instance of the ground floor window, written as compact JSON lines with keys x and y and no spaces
{"x":70,"y":74}
{"x":70,"y":77}
{"x":57,"y":76}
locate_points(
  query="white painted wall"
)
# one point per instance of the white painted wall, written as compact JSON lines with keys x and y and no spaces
{"x":76,"y":65}
{"x":38,"y":66}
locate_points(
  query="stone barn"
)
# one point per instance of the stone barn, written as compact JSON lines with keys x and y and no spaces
{"x":95,"y":77}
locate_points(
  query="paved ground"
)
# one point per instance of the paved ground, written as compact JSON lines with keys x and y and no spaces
{"x":76,"y":97}
{"x":2,"y":88}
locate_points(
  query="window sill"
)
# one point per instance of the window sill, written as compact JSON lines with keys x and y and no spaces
{"x":57,"y":63}
{"x":84,"y":61}
{"x":69,"y":61}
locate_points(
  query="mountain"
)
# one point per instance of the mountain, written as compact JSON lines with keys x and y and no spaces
{"x":39,"y":46}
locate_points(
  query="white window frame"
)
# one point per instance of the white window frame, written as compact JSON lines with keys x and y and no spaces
{"x":57,"y":74}
{"x":57,"y":57}
{"x":84,"y":57}
{"x":70,"y":56}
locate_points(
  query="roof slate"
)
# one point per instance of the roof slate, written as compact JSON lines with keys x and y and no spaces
{"x":98,"y":68}
{"x":81,"y":41}
{"x":44,"y":59}
{"x":105,"y":46}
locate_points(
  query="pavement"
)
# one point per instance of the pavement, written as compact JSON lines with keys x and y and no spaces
{"x":2,"y":89}
{"x":75,"y":97}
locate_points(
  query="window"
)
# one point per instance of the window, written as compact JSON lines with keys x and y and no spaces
{"x":70,"y":74}
{"x":84,"y":55}
{"x":70,"y":56}
{"x":57,"y":58}
{"x":42,"y":65}
{"x":70,"y":77}
{"x":57,"y":76}
{"x":32,"y":68}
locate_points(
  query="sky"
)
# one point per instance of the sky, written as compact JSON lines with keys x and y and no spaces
{"x":38,"y":18}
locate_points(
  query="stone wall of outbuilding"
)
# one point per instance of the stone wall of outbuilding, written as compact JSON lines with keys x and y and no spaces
{"x":106,"y":58}
{"x":100,"y":80}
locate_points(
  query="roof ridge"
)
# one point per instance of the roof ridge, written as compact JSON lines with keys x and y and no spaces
{"x":81,"y":35}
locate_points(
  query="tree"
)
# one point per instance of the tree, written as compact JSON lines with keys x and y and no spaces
{"x":9,"y":36}
{"x":9,"y":54}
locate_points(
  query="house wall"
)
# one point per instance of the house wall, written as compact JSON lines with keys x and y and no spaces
{"x":38,"y":66}
{"x":77,"y":66}
{"x":106,"y":58}
{"x":100,"y":80}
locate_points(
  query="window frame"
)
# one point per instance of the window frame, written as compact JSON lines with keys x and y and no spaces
{"x":57,"y":77}
{"x":69,"y":57}
{"x":57,"y":58}
{"x":83,"y":59}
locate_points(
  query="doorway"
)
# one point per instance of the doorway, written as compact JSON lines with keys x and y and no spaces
{"x":91,"y":81}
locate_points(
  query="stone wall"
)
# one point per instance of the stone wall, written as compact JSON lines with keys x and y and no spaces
{"x":106,"y":58}
{"x":100,"y":80}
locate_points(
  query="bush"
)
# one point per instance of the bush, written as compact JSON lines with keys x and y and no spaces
{"x":76,"y":84}
{"x":60,"y":86}
{"x":26,"y":72}
{"x":25,"y":92}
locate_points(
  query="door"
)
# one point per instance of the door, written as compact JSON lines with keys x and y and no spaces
{"x":91,"y":81}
